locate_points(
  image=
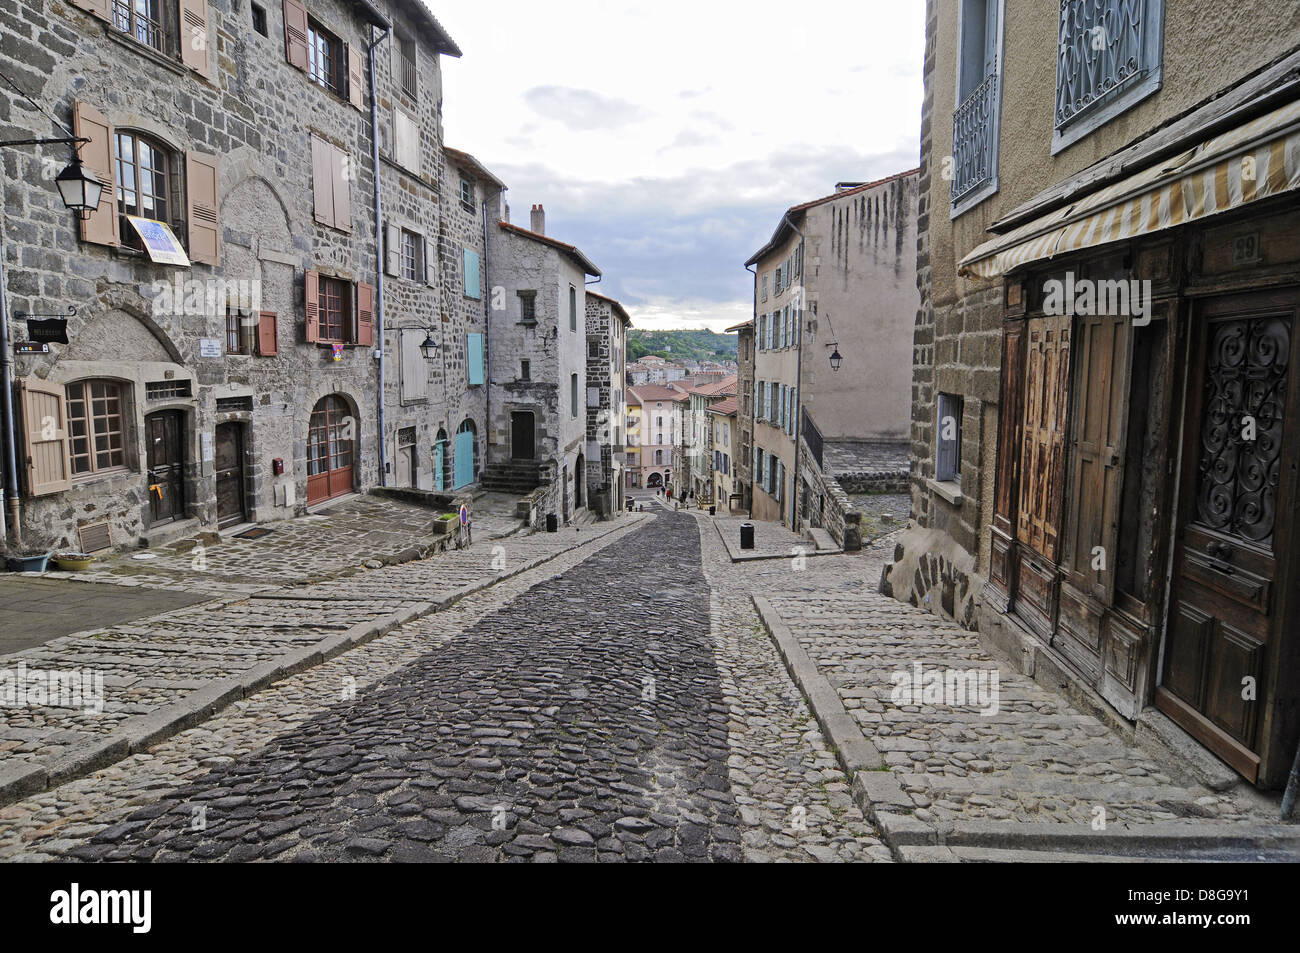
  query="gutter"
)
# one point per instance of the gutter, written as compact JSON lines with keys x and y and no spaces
{"x":379,"y":238}
{"x":487,"y":342}
{"x":11,"y":501}
{"x":753,"y":436}
{"x":798,"y":376}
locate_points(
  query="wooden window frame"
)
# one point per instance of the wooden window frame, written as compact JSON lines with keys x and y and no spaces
{"x":82,"y":410}
{"x":257,"y":12}
{"x":412,"y":256}
{"x":346,"y":319}
{"x":527,"y":307}
{"x":243,"y":334}
{"x":410,"y":78}
{"x":948,"y":405}
{"x":158,"y":31}
{"x":121,"y":167}
{"x":323,"y":44}
{"x":467,"y":193}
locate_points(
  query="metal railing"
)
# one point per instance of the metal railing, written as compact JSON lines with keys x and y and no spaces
{"x":972,"y":138}
{"x":812,"y":436}
{"x":1102,"y":50}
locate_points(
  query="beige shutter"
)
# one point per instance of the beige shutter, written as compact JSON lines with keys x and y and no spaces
{"x":194,"y":35}
{"x":311,"y":307}
{"x":322,"y":180}
{"x":295,"y":34}
{"x":342,"y":191}
{"x":365,"y":315}
{"x":392,"y":250}
{"x":268,"y":341}
{"x":430,"y":262}
{"x":356,"y":76}
{"x":102,"y":226}
{"x":45,"y":437}
{"x":201,"y":191}
{"x":99,"y":8}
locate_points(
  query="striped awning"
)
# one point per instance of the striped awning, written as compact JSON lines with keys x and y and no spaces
{"x":1252,"y":162}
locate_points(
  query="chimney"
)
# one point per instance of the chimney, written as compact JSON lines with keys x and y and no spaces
{"x":507,"y":212}
{"x":539,"y":220}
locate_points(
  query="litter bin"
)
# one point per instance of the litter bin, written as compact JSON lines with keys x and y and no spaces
{"x":746,"y":535}
{"x":712,"y":510}
{"x":552,"y":523}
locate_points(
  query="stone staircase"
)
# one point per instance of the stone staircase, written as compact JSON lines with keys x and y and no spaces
{"x":518,"y":479}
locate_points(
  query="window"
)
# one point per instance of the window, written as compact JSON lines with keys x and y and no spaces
{"x":948,"y":459}
{"x":170,"y":390}
{"x":412,"y":256}
{"x":259,"y":19}
{"x":593,"y":348}
{"x":1109,"y":59}
{"x":527,"y":307}
{"x":406,"y":52}
{"x":326,"y":61}
{"x":95,"y":426}
{"x":573,"y":308}
{"x":573,"y":394}
{"x":659,"y":438}
{"x":525,"y":370}
{"x":467,"y":194}
{"x":331,"y":190}
{"x":661,"y":421}
{"x":979,"y":100}
{"x":765,"y":287}
{"x":239,"y":331}
{"x":142,"y":19}
{"x":335,"y":311}
{"x":143,"y":182}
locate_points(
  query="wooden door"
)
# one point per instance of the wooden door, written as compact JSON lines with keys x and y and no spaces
{"x":231,"y":506}
{"x":330,"y":456}
{"x":165,"y":436}
{"x":523,"y":435}
{"x":1234,"y":566}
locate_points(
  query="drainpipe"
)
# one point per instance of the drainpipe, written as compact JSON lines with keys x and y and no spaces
{"x":753,"y":434}
{"x":798,"y":378}
{"x":11,"y":501}
{"x":379,"y":246}
{"x":487,"y":343}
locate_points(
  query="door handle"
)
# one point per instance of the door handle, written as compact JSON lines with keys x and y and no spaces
{"x":1223,"y":568}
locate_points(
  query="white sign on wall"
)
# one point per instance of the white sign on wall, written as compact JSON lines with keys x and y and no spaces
{"x":209,"y":347}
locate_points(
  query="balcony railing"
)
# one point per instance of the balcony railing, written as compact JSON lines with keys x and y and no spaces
{"x":1103,"y":50}
{"x":812,"y":436}
{"x":973,"y":138}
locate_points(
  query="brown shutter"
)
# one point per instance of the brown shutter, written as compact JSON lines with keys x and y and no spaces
{"x":311,"y":288}
{"x":322,"y":180}
{"x":102,"y":226}
{"x":365,"y":315}
{"x":99,"y":8}
{"x":45,"y":437}
{"x":342,"y":191}
{"x":194,"y":35}
{"x":201,"y":191}
{"x":268,"y":344}
{"x":392,"y":250}
{"x":295,"y":34}
{"x":356,"y":76}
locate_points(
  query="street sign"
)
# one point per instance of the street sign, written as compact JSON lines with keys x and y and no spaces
{"x":31,"y":347}
{"x":48,"y":331}
{"x":464,"y":515}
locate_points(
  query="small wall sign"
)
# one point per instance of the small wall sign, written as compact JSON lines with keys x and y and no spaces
{"x":209,"y":347}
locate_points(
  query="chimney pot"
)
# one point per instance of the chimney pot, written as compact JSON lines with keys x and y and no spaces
{"x":539,"y":219}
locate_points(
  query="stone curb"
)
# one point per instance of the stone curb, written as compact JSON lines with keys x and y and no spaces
{"x":138,"y":734}
{"x":759,"y":557}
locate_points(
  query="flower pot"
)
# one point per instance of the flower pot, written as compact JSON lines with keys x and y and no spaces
{"x":33,"y":563}
{"x":73,"y":562}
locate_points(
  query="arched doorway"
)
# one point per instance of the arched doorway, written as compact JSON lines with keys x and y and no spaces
{"x":441,"y":462}
{"x":465,"y":459}
{"x":580,"y":483}
{"x":331,"y":459}
{"x":654,"y":482}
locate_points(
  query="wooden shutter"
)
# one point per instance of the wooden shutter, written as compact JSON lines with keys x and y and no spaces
{"x":392,"y":250}
{"x":201,"y":192}
{"x":1042,"y":458}
{"x":268,"y":343}
{"x":342,"y":190}
{"x":356,"y":76}
{"x":45,"y":437}
{"x":365,"y":315}
{"x":295,"y":34}
{"x":474,"y":359}
{"x":194,"y":35}
{"x":99,"y":8}
{"x":322,"y":180}
{"x":311,"y":309}
{"x":430,"y":262}
{"x":472,"y":286}
{"x":102,"y":226}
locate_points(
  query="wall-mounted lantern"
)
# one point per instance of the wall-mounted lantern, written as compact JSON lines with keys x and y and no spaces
{"x":430,"y":347}
{"x":836,"y":359}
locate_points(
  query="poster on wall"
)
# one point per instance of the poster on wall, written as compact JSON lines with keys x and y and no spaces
{"x":159,"y":241}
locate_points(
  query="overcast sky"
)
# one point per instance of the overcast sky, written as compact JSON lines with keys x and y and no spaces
{"x":665,"y":139}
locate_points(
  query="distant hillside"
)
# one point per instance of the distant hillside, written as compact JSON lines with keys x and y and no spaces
{"x":681,"y":345}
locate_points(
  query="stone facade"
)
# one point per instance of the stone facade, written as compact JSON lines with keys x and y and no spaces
{"x":743,"y":458}
{"x":607,"y":323}
{"x":662,"y":412}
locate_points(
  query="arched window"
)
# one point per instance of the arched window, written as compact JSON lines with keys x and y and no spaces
{"x":144,"y":181}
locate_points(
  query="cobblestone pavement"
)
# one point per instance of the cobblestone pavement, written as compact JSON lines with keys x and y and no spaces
{"x":882,"y":513}
{"x":1037,"y":759}
{"x":848,"y":456}
{"x":149,"y":663}
{"x":339,"y":539}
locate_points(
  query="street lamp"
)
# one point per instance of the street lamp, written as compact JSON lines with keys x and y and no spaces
{"x":430,"y":347}
{"x":836,"y":359}
{"x":79,"y":187}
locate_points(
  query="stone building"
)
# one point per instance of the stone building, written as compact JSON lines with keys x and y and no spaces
{"x":221,"y":358}
{"x":834,"y":283}
{"x":725,"y":441}
{"x":633,"y":437}
{"x":662,"y":411}
{"x":694,"y":459}
{"x":538,"y":367}
{"x":742,"y":459}
{"x":607,"y":324}
{"x":1105,"y":438}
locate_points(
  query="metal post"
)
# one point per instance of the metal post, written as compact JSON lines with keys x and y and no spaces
{"x":7,"y":407}
{"x":379,"y":250}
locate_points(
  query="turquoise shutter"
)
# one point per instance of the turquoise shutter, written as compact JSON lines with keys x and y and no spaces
{"x":474,"y":359}
{"x":471,"y":274}
{"x":462,"y":460}
{"x":438,"y":451}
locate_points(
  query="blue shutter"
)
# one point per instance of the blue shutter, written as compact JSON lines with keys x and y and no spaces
{"x":463,"y":460}
{"x":439,"y":450}
{"x":474,"y":359}
{"x":472,"y":289}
